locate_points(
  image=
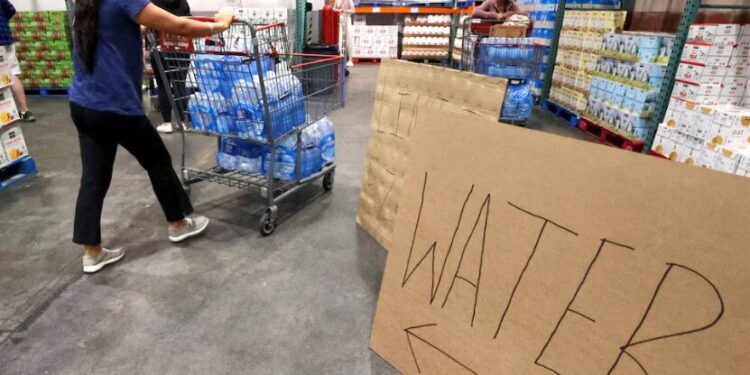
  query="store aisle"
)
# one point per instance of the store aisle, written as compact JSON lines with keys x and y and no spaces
{"x":298,"y":302}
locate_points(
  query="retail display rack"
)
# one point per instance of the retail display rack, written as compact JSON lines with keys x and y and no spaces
{"x":689,"y":17}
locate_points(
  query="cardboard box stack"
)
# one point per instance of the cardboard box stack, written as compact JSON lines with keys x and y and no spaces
{"x":627,"y":80}
{"x":715,"y":65}
{"x":377,"y":42}
{"x":714,"y":137}
{"x":581,"y":42}
{"x":12,"y":144}
{"x":708,"y":119}
{"x":43,"y":49}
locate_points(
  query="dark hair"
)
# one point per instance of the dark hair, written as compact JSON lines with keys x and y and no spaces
{"x":84,"y":31}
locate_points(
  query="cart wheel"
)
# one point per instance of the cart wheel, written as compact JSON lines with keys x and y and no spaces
{"x":328,"y":181}
{"x":267,"y":225}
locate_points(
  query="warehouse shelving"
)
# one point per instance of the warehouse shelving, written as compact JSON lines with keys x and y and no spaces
{"x":688,"y":18}
{"x":627,"y":5}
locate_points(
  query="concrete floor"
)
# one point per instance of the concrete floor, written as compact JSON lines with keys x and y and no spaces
{"x":299,"y":302}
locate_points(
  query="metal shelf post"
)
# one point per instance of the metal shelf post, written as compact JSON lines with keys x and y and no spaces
{"x":301,"y":27}
{"x":553,"y":50}
{"x":665,"y":93}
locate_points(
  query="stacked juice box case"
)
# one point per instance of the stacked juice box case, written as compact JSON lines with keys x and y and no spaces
{"x":627,"y":80}
{"x":43,"y":49}
{"x":12,"y":144}
{"x":580,"y":46}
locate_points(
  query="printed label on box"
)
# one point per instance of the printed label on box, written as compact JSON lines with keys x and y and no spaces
{"x":13,"y":143}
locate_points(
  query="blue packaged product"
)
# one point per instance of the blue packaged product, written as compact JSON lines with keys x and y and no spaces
{"x":209,"y":72}
{"x":518,"y":101}
{"x":206,"y":109}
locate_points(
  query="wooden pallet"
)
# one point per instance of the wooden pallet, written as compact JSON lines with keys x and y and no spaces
{"x":366,"y":60}
{"x":609,"y":136}
{"x":562,"y":112}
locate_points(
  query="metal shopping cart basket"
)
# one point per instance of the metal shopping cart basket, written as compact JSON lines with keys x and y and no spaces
{"x":517,"y":59}
{"x":248,"y":89}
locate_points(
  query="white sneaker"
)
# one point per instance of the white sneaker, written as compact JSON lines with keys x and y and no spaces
{"x":165,"y":128}
{"x":349,"y":63}
{"x":91,"y":264}
{"x":194,"y":227}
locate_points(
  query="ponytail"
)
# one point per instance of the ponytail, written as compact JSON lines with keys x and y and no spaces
{"x":85,"y":31}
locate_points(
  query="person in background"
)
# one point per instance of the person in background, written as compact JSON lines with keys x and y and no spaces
{"x":178,"y":8}
{"x":499,"y":10}
{"x":105,"y":104}
{"x":346,"y":9}
{"x":7,"y":11}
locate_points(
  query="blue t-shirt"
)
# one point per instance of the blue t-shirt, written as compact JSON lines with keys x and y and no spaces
{"x":115,"y":84}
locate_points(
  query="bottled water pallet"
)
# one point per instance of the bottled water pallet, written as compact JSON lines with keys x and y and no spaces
{"x":561,"y":112}
{"x":16,"y":172}
{"x":47,"y":91}
{"x":609,"y":137}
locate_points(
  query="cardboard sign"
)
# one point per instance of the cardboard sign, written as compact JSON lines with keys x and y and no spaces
{"x":518,"y":252}
{"x":402,"y":86}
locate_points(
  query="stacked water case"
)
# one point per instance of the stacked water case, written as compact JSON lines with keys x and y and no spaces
{"x":267,"y":106}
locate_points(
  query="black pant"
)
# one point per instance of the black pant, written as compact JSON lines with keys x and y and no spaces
{"x":176,"y":65}
{"x":99,"y":134}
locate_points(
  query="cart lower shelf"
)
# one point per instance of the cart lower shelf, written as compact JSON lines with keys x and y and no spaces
{"x":258,"y":182}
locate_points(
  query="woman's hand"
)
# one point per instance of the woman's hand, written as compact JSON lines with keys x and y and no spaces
{"x":501,"y":16}
{"x":224,"y":20}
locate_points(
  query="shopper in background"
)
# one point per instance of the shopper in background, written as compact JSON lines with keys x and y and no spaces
{"x":346,"y":10}
{"x":105,"y":104}
{"x":178,"y":8}
{"x":7,"y":11}
{"x":499,"y":10}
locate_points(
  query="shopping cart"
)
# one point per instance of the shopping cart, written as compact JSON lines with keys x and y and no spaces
{"x":248,"y":89}
{"x":519,"y":60}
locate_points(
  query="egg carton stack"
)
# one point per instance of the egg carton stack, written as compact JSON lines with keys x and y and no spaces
{"x":374,"y":42}
{"x":426,"y":37}
{"x":581,"y":42}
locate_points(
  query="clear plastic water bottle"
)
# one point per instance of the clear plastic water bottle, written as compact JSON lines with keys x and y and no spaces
{"x":226,"y":157}
{"x":286,"y":159}
{"x":209,"y":72}
{"x":327,"y":141}
{"x":249,"y":158}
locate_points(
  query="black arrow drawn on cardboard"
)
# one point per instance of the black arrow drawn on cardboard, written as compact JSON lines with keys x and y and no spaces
{"x":410,"y":334}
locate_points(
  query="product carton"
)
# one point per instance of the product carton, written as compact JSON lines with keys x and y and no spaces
{"x":731,"y":127}
{"x":702,"y":33}
{"x":695,"y":52}
{"x":8,"y":109}
{"x":13,"y":143}
{"x":3,"y":159}
{"x":733,"y":89}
